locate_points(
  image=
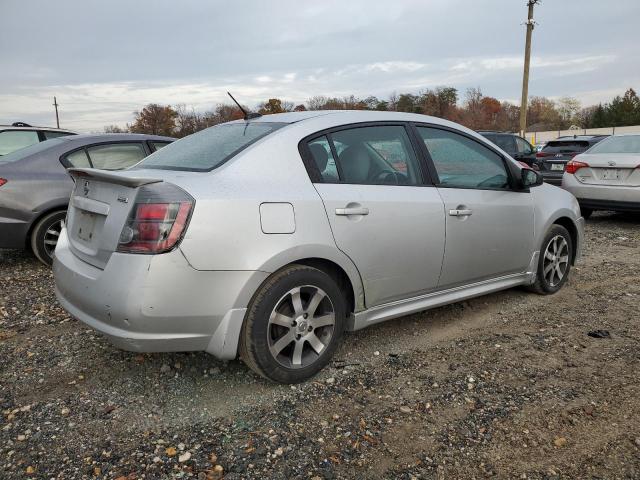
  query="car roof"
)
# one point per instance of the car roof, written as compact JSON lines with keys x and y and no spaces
{"x":48,"y":129}
{"x":100,"y":137}
{"x":580,"y":137}
{"x":493,"y":132}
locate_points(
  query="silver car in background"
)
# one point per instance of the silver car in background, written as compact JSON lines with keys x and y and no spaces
{"x":607,"y":176}
{"x":270,"y":237}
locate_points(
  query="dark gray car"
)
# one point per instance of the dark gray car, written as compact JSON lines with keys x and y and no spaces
{"x":35,"y":187}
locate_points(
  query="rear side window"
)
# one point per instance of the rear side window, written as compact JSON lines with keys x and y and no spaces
{"x":210,"y":148}
{"x":116,"y":156}
{"x":158,"y":145}
{"x":463,"y":163}
{"x":12,"y":140}
{"x":324,"y":160}
{"x":565,"y":146}
{"x":78,"y":159}
{"x":380,"y":155}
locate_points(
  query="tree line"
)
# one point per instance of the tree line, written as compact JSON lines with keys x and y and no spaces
{"x":474,"y":110}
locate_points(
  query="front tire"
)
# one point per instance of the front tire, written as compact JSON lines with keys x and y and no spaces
{"x":293,"y":325}
{"x":44,"y":236}
{"x":554,"y":263}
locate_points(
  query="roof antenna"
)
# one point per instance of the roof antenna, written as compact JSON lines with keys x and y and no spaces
{"x":247,"y":115}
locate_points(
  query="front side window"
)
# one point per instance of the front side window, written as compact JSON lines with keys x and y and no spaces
{"x":12,"y":140}
{"x":462,"y":162}
{"x":116,"y":156}
{"x":210,"y":148}
{"x":380,"y":155}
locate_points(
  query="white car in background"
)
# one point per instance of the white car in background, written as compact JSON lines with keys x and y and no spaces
{"x":607,"y":176}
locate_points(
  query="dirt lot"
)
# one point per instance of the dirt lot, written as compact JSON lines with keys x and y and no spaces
{"x":507,"y":386}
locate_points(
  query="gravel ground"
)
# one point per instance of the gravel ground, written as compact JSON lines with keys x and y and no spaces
{"x":508,"y":386}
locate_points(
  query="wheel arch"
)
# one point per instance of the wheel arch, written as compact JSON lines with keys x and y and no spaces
{"x":571,"y":227}
{"x":50,"y":208}
{"x":329,"y":260}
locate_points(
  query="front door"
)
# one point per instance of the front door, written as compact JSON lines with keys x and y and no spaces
{"x":489,"y":226}
{"x":382,"y":215}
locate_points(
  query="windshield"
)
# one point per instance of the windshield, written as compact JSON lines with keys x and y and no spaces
{"x":621,"y":144}
{"x":30,"y":150}
{"x":208,"y":149}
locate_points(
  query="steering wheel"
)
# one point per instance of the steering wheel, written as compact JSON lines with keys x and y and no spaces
{"x":385,"y":177}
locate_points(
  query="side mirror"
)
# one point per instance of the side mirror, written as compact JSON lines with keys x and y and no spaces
{"x":530,"y":178}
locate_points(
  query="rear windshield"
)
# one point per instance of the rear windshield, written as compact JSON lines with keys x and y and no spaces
{"x":30,"y":150}
{"x":562,"y":146}
{"x":208,"y":149}
{"x":621,"y":144}
{"x":503,"y":141}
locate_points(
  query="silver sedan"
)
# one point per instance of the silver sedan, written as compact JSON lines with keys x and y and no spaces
{"x":269,"y":237}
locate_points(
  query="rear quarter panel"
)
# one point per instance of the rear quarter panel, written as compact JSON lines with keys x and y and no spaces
{"x":225,"y":231}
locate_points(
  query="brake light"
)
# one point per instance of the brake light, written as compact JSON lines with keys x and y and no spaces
{"x":573,"y":166}
{"x":157,"y":221}
{"x":3,"y":181}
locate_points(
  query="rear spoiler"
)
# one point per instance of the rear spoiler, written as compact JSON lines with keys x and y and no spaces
{"x":110,"y":177}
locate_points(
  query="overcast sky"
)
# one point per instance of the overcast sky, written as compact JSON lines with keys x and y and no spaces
{"x":105,"y":59}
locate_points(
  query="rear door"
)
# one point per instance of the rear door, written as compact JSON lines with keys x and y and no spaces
{"x":382,"y":213}
{"x":489,"y":226}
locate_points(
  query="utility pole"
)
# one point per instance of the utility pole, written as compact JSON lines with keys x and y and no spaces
{"x":55,"y":104}
{"x":525,"y":77}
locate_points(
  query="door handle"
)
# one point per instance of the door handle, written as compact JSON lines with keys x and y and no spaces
{"x":352,"y":211}
{"x":460,"y":213}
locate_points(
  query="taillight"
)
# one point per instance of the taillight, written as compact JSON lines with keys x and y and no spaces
{"x":3,"y":181}
{"x":157,"y":221}
{"x":573,"y":166}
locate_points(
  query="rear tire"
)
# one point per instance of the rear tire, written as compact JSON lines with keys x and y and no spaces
{"x":554,"y":263}
{"x":293,"y":325}
{"x":44,"y":236}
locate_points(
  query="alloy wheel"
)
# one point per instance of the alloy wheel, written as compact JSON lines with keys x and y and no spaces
{"x":556,"y":260}
{"x":51,"y":237}
{"x":301,"y":326}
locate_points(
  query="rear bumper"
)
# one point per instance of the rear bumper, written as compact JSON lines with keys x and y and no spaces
{"x":603,"y":197}
{"x":552,"y":178}
{"x":156,"y":303}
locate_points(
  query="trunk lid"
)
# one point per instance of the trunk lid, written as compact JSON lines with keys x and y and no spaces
{"x":555,"y":155}
{"x":98,"y":209}
{"x":609,"y":169}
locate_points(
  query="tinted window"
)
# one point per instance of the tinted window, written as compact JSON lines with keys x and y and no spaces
{"x":116,"y":156}
{"x":50,"y":135}
{"x":78,"y":159}
{"x":377,"y":156}
{"x":158,"y":145}
{"x":462,"y":162}
{"x":210,"y":148}
{"x":621,"y":144}
{"x":565,"y":146}
{"x":31,"y":150}
{"x":12,"y":140}
{"x":523,"y":146}
{"x":323,"y":159}
{"x":505,"y":142}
